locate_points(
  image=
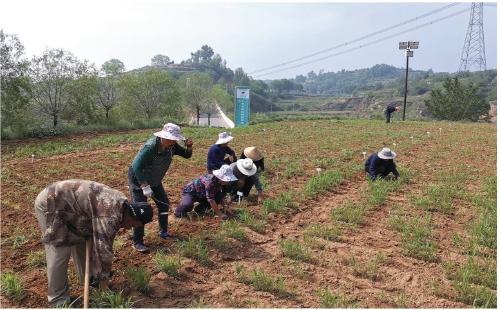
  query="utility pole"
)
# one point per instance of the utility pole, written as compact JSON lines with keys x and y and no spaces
{"x":408,"y":46}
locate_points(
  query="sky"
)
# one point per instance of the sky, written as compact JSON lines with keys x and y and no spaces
{"x":253,"y":35}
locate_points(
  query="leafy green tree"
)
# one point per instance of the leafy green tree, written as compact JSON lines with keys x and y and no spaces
{"x":152,"y":92}
{"x":161,"y":61}
{"x":113,"y":67}
{"x":457,"y":102}
{"x":52,"y":75}
{"x":196,"y":93}
{"x":107,"y":89}
{"x":15,"y":84}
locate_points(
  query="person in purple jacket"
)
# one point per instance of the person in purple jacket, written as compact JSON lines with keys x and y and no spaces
{"x":207,"y":191}
{"x":220,"y":153}
{"x":380,"y":164}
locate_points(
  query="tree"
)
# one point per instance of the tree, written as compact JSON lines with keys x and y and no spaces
{"x":197,"y":92}
{"x":15,"y":85}
{"x":113,"y":67}
{"x":52,"y":75}
{"x":241,"y":78}
{"x":160,"y":61}
{"x":107,"y":92}
{"x":457,"y":102}
{"x":152,"y":92}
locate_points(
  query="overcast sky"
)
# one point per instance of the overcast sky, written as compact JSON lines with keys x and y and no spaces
{"x":248,"y":35}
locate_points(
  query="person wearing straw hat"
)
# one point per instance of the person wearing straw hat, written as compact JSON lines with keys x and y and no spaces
{"x":207,"y":191}
{"x":70,"y":212}
{"x":380,"y":164}
{"x":388,"y":111}
{"x":245,"y":184}
{"x":220,"y":153}
{"x":146,"y":173}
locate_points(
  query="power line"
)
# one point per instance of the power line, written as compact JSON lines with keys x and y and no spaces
{"x":367,"y":44}
{"x":357,"y":39}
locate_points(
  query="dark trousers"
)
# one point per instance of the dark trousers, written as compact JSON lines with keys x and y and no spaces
{"x":187,"y":203}
{"x":160,"y":199}
{"x":248,"y":183}
{"x":387,"y":117}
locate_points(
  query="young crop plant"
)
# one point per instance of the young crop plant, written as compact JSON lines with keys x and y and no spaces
{"x":37,"y":259}
{"x":260,"y":281}
{"x":11,"y":286}
{"x":346,"y":154}
{"x":295,"y":250}
{"x":369,"y":269}
{"x":233,"y":230}
{"x":168,"y":264}
{"x":416,"y":236}
{"x":110,"y":299}
{"x":249,"y":220}
{"x":327,"y":299}
{"x":293,"y":169}
{"x":437,"y":197}
{"x":378,"y":191}
{"x":474,"y":272}
{"x":280,"y":204}
{"x":323,"y":183}
{"x":349,"y":213}
{"x":140,"y":278}
{"x":323,"y":231}
{"x":476,"y":296}
{"x":194,"y":248}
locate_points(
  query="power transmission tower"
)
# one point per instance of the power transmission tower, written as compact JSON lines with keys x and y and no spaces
{"x":473,"y":55}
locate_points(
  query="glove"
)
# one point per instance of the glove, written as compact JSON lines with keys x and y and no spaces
{"x":147,"y":191}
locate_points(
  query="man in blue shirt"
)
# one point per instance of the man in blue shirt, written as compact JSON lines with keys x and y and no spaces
{"x":220,"y":153}
{"x":380,"y":164}
{"x":146,"y":173}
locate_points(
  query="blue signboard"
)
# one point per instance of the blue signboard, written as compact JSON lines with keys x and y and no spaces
{"x":242,"y":106}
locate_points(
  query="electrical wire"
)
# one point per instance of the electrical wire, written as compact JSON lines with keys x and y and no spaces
{"x":358,"y":39}
{"x":367,"y":44}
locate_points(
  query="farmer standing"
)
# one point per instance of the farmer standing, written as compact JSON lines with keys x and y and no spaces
{"x":207,"y":191}
{"x":388,"y":111}
{"x":380,"y":164}
{"x":220,"y":153}
{"x":71,"y":211}
{"x":147,"y":171}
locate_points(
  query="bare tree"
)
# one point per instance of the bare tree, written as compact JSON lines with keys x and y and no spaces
{"x":196,"y":92}
{"x":52,"y":75}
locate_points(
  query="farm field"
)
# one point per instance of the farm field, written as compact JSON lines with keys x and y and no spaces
{"x":321,"y":239}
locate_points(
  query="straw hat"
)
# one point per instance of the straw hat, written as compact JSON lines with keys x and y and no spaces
{"x":386,"y":153}
{"x":224,"y":138}
{"x":246,"y":166}
{"x":171,"y":132}
{"x":225,"y":173}
{"x":253,"y":153}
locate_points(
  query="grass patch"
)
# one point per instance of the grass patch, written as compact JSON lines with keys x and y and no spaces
{"x":327,"y":299}
{"x":37,"y":259}
{"x":168,"y":264}
{"x":416,"y":234}
{"x":12,"y":286}
{"x":249,"y":220}
{"x":293,"y":169}
{"x":295,"y":250}
{"x":474,"y":272}
{"x":260,"y":281}
{"x":476,"y":296}
{"x":109,"y":299}
{"x":194,"y":248}
{"x":378,"y":190}
{"x":233,"y":230}
{"x":436,"y":197}
{"x":322,"y":183}
{"x":280,"y":204}
{"x":140,"y":278}
{"x":368,"y":270}
{"x":329,"y":233}
{"x":349,"y":213}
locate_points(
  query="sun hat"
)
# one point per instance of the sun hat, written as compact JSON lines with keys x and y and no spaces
{"x":224,"y":138}
{"x":386,"y":153}
{"x":253,"y":153}
{"x":170,"y":131}
{"x":246,"y":166}
{"x":141,"y":211}
{"x":225,"y":173}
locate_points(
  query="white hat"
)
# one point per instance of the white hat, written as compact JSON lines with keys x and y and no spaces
{"x":386,"y":153}
{"x":253,"y":153}
{"x":225,"y":173}
{"x":224,"y":138}
{"x":171,"y":132}
{"x":246,"y":166}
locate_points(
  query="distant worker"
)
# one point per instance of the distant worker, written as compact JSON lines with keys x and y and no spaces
{"x":388,"y":111}
{"x":207,"y":192}
{"x":249,"y":175}
{"x":146,"y":173}
{"x":71,"y":211}
{"x":220,"y":153}
{"x":380,"y":164}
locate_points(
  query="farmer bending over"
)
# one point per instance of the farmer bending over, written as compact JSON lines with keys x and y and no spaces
{"x":220,"y":153}
{"x":147,"y":171}
{"x":207,"y":191}
{"x":71,"y":211}
{"x":380,"y":164}
{"x":388,"y":111}
{"x":246,"y":172}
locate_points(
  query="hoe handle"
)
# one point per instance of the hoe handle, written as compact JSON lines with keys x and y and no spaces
{"x":88,"y":244}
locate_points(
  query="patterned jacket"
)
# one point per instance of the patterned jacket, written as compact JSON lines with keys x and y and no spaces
{"x":79,"y":209}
